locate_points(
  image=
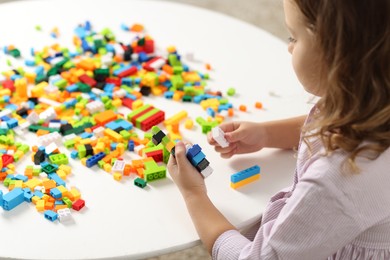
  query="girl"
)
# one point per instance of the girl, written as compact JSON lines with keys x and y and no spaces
{"x":338,"y":206}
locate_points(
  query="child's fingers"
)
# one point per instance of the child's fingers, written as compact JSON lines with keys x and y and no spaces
{"x":210,"y":139}
{"x":231,"y":148}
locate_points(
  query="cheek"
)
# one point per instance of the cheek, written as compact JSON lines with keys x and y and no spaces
{"x":306,"y":68}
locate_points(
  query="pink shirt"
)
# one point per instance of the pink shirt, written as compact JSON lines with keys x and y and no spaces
{"x":325,"y":214}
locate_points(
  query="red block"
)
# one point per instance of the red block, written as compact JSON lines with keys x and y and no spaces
{"x":9,"y":84}
{"x":156,"y":155}
{"x":132,"y":70}
{"x":127,"y":102}
{"x":7,"y":159}
{"x":78,"y":204}
{"x":153,"y":120}
{"x":87,"y":80}
{"x":115,"y":81}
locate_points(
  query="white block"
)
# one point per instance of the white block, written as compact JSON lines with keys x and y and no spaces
{"x":118,"y":166}
{"x":219,"y":137}
{"x":207,"y":171}
{"x":33,"y":117}
{"x":64,"y":215}
{"x":99,"y":132}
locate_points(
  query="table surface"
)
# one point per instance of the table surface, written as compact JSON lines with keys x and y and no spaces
{"x":121,"y":220}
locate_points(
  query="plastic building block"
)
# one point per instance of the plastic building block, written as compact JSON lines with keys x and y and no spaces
{"x":218,"y":136}
{"x":13,"y":198}
{"x":50,"y":215}
{"x":78,"y":204}
{"x":1,"y":198}
{"x":59,"y":159}
{"x":244,"y":174}
{"x":245,"y":181}
{"x":140,"y":183}
{"x":64,"y":215}
{"x":91,"y":161}
{"x":193,"y":153}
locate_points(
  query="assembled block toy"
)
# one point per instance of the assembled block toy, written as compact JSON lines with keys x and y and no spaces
{"x":244,"y":177}
{"x":194,"y":153}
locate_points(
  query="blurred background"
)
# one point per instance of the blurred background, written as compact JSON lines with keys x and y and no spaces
{"x":265,"y":14}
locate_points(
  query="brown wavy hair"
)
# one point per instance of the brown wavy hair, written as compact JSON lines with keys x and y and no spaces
{"x":354,"y":113}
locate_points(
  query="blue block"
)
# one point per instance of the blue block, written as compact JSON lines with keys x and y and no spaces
{"x":28,"y":196}
{"x":13,"y":198}
{"x":50,"y":215}
{"x":59,"y":202}
{"x":74,"y":154}
{"x":72,"y":88}
{"x":1,"y":198}
{"x":38,"y":194}
{"x":91,"y":161}
{"x":86,"y":135}
{"x":242,"y":175}
{"x":195,"y":160}
{"x":55,"y":193}
{"x":210,"y":112}
{"x":21,"y":177}
{"x":168,"y":94}
{"x":127,"y":81}
{"x":120,"y":70}
{"x":130,"y":146}
{"x":57,"y":179}
{"x":194,"y":150}
{"x":142,"y":57}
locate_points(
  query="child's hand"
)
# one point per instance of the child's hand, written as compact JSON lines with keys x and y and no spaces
{"x":244,"y":137}
{"x":189,"y":181}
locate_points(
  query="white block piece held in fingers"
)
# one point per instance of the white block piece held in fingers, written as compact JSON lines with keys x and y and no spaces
{"x":219,"y":137}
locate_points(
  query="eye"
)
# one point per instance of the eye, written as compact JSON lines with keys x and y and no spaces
{"x":291,"y":40}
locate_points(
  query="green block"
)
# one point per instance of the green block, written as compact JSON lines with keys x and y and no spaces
{"x":82,"y":151}
{"x":125,"y":134}
{"x":84,"y":88}
{"x":140,"y":183}
{"x":7,"y":181}
{"x":51,"y":72}
{"x":137,"y":111}
{"x":24,"y":148}
{"x":36,"y":171}
{"x":156,"y":173}
{"x":231,"y":92}
{"x":69,"y":143}
{"x":58,"y":159}
{"x":61,"y":84}
{"x":100,"y":164}
{"x":49,"y":168}
{"x":173,"y":60}
{"x":145,"y":116}
{"x":68,"y":202}
{"x":177,"y":81}
{"x":14,"y":53}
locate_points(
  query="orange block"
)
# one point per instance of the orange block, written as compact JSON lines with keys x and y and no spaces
{"x":105,"y":117}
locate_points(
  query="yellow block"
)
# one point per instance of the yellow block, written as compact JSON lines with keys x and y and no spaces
{"x":176,"y":118}
{"x":113,"y":135}
{"x":245,"y":181}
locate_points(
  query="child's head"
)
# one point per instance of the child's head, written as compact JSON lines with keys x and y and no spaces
{"x":341,"y":52}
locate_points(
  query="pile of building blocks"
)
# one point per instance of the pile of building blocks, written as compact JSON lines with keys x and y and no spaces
{"x":193,"y":152}
{"x":244,"y":177}
{"x":72,"y":96}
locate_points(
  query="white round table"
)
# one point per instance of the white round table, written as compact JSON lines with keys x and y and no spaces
{"x":121,"y":220}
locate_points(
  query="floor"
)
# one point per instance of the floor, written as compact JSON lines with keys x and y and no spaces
{"x":266,"y":14}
